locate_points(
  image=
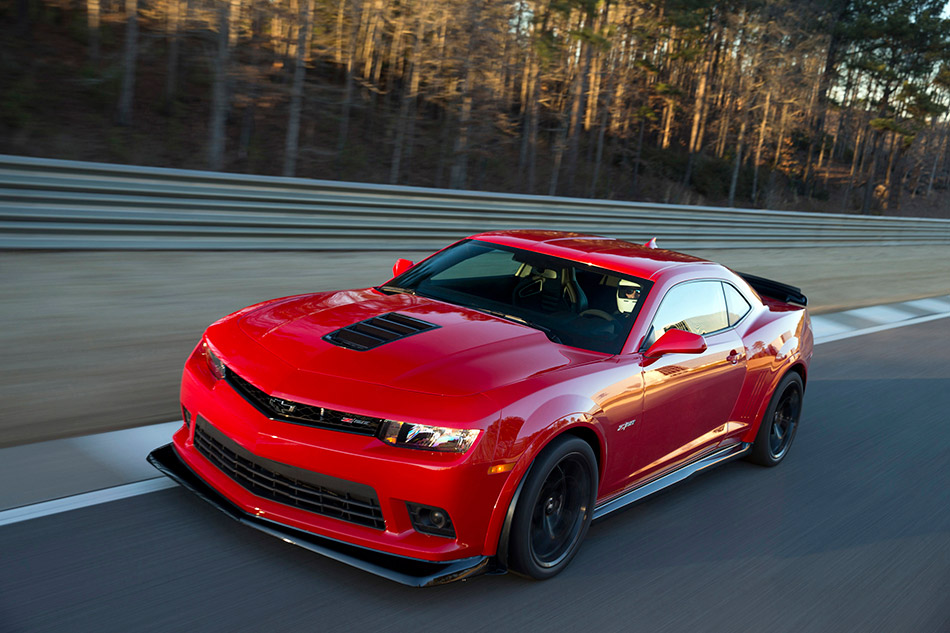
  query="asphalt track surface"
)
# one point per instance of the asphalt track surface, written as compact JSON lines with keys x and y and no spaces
{"x":850,"y":533}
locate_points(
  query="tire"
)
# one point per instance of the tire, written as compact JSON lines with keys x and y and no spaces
{"x":780,"y":423}
{"x":555,"y":508}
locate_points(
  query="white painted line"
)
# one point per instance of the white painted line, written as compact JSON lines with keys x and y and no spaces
{"x":823,"y":326}
{"x":123,"y":452}
{"x":56,"y":469}
{"x":880,"y":328}
{"x":46,"y":508}
{"x":826,"y":331}
{"x":882,"y":314}
{"x":934,"y":304}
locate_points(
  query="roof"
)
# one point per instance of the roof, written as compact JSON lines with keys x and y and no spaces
{"x":605,"y":252}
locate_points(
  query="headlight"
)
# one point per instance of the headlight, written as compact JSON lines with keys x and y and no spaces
{"x":433,"y":438}
{"x":215,"y":366}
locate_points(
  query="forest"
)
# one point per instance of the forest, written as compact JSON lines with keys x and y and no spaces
{"x":835,"y":105}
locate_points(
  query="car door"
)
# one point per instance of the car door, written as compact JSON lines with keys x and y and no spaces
{"x":688,"y":397}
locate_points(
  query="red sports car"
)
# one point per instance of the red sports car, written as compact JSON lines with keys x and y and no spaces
{"x":477,"y":411}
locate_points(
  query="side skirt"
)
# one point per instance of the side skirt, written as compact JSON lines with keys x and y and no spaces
{"x":685,"y":472}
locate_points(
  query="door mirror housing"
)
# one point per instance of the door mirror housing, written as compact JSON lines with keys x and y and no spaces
{"x":677,"y":342}
{"x":401,"y":266}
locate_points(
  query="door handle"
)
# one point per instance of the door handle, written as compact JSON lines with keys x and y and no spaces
{"x":733,"y":357}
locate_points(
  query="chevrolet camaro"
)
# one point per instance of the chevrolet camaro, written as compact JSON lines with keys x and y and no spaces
{"x":477,"y":411}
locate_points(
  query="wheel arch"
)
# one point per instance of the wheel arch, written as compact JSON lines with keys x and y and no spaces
{"x":802,"y":371}
{"x":584,"y":432}
{"x":589,"y":435}
{"x":797,"y":367}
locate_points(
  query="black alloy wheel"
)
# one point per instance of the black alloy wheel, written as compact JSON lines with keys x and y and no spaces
{"x":784,"y":421}
{"x":780,"y":422}
{"x":555,"y":508}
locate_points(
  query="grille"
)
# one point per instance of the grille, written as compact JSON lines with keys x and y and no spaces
{"x":377,"y":331}
{"x":300,"y":413}
{"x":289,"y":485}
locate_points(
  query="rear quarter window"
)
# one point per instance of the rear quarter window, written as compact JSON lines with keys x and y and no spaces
{"x":736,"y":305}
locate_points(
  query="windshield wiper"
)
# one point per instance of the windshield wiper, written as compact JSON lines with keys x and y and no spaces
{"x":517,"y":319}
{"x":396,"y":290}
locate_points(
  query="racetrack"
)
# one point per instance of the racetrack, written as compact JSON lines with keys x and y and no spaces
{"x":95,"y":341}
{"x":850,"y":533}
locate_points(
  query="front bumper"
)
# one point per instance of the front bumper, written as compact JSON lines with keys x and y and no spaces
{"x":401,"y":569}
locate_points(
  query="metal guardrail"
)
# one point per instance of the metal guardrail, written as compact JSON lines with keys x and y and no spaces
{"x":56,"y":204}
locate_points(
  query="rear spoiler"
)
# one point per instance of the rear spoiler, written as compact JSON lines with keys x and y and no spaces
{"x":775,"y":289}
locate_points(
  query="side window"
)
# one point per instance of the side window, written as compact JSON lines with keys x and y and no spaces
{"x":696,"y":306}
{"x":736,"y":304}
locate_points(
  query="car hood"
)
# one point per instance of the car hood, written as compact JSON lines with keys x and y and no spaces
{"x":468,"y":352}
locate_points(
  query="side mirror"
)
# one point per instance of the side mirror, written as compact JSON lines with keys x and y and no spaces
{"x":401,"y":266}
{"x":677,"y":342}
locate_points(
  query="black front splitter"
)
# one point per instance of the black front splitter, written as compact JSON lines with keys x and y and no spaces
{"x":408,"y":571}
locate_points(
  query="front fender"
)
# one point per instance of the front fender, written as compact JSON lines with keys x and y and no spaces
{"x":531,"y":438}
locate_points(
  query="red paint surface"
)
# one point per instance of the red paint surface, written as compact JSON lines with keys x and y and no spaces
{"x":482,"y":372}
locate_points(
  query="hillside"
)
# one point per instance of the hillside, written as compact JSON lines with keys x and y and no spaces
{"x":408,"y":122}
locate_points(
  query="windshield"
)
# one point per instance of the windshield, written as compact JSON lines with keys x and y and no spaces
{"x":573,"y":303}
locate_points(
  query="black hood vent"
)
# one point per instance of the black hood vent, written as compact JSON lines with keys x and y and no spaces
{"x":377,"y":331}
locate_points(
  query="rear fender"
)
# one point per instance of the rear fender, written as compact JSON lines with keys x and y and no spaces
{"x":776,"y":378}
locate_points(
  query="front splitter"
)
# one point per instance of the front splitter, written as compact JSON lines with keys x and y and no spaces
{"x":408,"y":571}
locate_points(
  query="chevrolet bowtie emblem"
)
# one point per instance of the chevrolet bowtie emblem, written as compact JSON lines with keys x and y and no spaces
{"x":283,"y":406}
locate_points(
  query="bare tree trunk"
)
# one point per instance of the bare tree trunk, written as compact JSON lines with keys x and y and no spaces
{"x":459,"y":175}
{"x":533,"y":124}
{"x":92,"y":24}
{"x":527,"y":161}
{"x":171,"y":35}
{"x":594,"y":96}
{"x":247,"y":126}
{"x":601,"y":132}
{"x":577,"y":111}
{"x":695,"y":139}
{"x":443,"y":148}
{"x":872,"y":172}
{"x":725,"y":121}
{"x":781,"y":136}
{"x":526,"y":93}
{"x":892,"y":189}
{"x":219,"y":90}
{"x":837,"y":10}
{"x":758,"y":147}
{"x":637,"y":158}
{"x":371,"y":37}
{"x":234,"y":19}
{"x":859,"y":140}
{"x":296,"y":91}
{"x":667,"y":124}
{"x":338,"y":49}
{"x":945,"y":168}
{"x":737,"y":163}
{"x":347,"y":104}
{"x":559,"y":144}
{"x":395,"y":51}
{"x":130,"y":55}
{"x":410,"y":88}
{"x":933,"y":168}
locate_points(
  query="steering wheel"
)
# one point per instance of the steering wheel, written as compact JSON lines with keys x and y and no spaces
{"x":600,"y":314}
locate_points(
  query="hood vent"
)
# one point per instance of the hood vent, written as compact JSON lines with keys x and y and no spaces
{"x":377,"y":331}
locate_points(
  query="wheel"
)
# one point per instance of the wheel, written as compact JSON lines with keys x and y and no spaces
{"x":779,"y":423}
{"x":555,"y":508}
